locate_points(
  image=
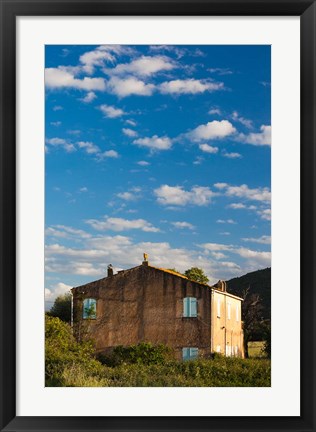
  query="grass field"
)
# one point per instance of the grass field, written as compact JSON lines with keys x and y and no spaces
{"x":255,"y":349}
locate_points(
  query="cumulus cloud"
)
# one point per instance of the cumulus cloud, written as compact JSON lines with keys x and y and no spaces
{"x":89,"y":97}
{"x":60,"y":142}
{"x":262,"y":240}
{"x":243,"y":191}
{"x":122,"y":252}
{"x":208,"y":149}
{"x":56,"y":290}
{"x":245,"y":122}
{"x":123,"y":87}
{"x":66,"y":232}
{"x":120,"y":224}
{"x":143,"y":163}
{"x":129,"y":132}
{"x":189,"y":86}
{"x":108,"y":154}
{"x":258,"y":139}
{"x":101,"y":55}
{"x":143,"y":66}
{"x":62,"y":78}
{"x":212,"y":130}
{"x":154,"y":143}
{"x":176,"y":195}
{"x":89,"y":147}
{"x":216,"y":111}
{"x":128,"y":196}
{"x":183,"y":225}
{"x":226,"y":221}
{"x":111,"y":112}
{"x":232,"y":155}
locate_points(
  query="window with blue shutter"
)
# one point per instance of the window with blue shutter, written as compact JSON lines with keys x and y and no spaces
{"x":89,"y":309}
{"x":190,"y":307}
{"x":190,"y":353}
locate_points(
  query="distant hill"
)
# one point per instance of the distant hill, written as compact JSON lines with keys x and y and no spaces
{"x":259,"y":282}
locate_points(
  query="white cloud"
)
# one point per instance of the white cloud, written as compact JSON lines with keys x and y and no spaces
{"x":144,"y":66}
{"x":130,"y":86}
{"x":143,"y":163}
{"x":131,"y":122}
{"x":89,"y":97}
{"x":57,"y":108}
{"x":189,"y":86}
{"x":127,"y":196}
{"x":258,"y":139}
{"x":226,"y":221}
{"x":111,"y":111}
{"x":176,"y":195}
{"x":265,"y":214}
{"x":218,"y":255}
{"x":108,"y":154}
{"x":262,"y":258}
{"x":89,"y":147}
{"x":216,"y":247}
{"x":183,"y":225}
{"x":83,"y":189}
{"x":232,"y":155}
{"x":56,"y":290}
{"x":66,"y":145}
{"x":103,"y":54}
{"x":63,"y":231}
{"x":57,"y":123}
{"x":212,"y":130}
{"x":208,"y":149}
{"x":122,"y":252}
{"x":154,"y":143}
{"x":237,"y":206}
{"x":243,"y":191}
{"x":262,"y":240}
{"x":120,"y":224}
{"x":129,"y":132}
{"x":216,"y":111}
{"x":61,"y":78}
{"x":246,"y":122}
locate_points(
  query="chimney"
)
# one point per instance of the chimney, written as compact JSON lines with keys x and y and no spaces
{"x":110,"y":270}
{"x":145,"y":262}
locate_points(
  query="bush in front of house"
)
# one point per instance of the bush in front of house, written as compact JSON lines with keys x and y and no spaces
{"x":143,"y":353}
{"x":63,"y":352}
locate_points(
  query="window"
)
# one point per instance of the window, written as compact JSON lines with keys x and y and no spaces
{"x":237,"y":312}
{"x":228,"y":310}
{"x":89,"y":309}
{"x":190,"y":307}
{"x":218,"y":307}
{"x":190,"y":353}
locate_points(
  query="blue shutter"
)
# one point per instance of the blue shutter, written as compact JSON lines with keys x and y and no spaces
{"x":185,"y":353}
{"x":193,"y":307}
{"x":186,"y":307}
{"x":194,"y":353}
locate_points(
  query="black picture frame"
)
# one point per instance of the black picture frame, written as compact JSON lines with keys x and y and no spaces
{"x":10,"y":9}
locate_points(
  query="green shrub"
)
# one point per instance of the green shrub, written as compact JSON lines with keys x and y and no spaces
{"x":143,"y":353}
{"x":63,"y":351}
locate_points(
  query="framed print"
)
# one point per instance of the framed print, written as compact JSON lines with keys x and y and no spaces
{"x":157,"y":215}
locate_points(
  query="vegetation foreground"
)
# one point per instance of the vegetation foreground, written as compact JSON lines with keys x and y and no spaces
{"x":73,"y":364}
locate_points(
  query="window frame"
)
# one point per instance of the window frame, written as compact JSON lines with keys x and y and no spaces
{"x":187,"y":307}
{"x":94,"y":316}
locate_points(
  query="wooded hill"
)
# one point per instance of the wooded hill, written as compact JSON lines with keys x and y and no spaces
{"x":258,"y":282}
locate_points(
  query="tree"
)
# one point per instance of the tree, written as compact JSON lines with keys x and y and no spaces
{"x":252,"y":317}
{"x":196,"y":274}
{"x":62,"y":308}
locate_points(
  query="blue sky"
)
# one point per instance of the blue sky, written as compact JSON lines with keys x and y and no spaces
{"x":157,"y":149}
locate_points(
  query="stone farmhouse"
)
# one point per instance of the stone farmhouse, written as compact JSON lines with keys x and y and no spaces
{"x":151,"y":304}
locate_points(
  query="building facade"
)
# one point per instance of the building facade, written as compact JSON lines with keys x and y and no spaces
{"x":150,"y":304}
